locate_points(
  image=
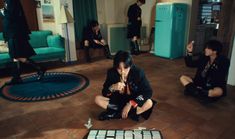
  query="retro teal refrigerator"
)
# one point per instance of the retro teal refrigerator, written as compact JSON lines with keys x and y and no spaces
{"x":170,"y":30}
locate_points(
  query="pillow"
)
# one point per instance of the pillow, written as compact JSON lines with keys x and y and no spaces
{"x":3,"y":47}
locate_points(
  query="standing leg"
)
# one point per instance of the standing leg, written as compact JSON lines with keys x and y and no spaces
{"x":137,"y":48}
{"x":40,"y":71}
{"x":16,"y":71}
{"x":87,"y":47}
{"x":87,"y":53}
{"x":107,"y":52}
{"x":151,"y":39}
{"x":132,"y":47}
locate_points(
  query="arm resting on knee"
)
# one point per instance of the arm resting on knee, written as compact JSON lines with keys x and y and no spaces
{"x":215,"y":92}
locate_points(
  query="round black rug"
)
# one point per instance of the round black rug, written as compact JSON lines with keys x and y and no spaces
{"x":53,"y":85}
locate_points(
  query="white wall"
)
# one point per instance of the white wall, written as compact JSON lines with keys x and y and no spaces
{"x":115,"y":11}
{"x":56,"y":27}
{"x":112,"y":11}
{"x":231,"y":75}
{"x":146,"y":14}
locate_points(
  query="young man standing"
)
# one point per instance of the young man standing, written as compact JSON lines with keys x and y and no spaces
{"x":209,"y":83}
{"x":134,"y":25}
{"x":16,"y":34}
{"x":126,"y":91}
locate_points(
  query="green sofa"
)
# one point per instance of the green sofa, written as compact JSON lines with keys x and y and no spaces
{"x":48,"y":47}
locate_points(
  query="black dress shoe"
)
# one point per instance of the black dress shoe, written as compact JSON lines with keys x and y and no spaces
{"x":41,"y":74}
{"x":14,"y":81}
{"x":107,"y":115}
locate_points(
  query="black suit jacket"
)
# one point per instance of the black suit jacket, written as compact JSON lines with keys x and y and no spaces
{"x":138,"y":83}
{"x":134,"y":12}
{"x":14,"y":21}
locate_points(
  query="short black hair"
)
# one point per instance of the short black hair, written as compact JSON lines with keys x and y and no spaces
{"x":214,"y":45}
{"x":142,"y":1}
{"x":122,"y":56}
{"x":94,"y":23}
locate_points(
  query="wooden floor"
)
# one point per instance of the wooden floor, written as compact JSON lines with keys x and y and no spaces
{"x":176,"y":116}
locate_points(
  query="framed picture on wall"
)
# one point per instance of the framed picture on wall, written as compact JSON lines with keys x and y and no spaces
{"x":48,"y":13}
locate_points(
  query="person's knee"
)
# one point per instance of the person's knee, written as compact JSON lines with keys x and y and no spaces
{"x":216,"y":92}
{"x":182,"y":78}
{"x":148,"y":104}
{"x":86,"y":43}
{"x":103,"y":41}
{"x":98,"y":100}
{"x":135,"y":38}
{"x":185,"y":80}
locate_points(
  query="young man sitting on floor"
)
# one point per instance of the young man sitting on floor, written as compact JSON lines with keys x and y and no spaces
{"x":94,"y":39}
{"x":126,"y":91}
{"x":209,"y":83}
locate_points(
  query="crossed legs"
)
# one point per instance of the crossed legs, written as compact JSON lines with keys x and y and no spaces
{"x":215,"y":92}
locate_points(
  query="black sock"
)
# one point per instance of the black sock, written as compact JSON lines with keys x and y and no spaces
{"x":137,"y":49}
{"x":132,"y":47}
{"x":203,"y":92}
{"x":190,"y":89}
{"x":16,"y":70}
{"x":132,"y":114}
{"x":34,"y":65}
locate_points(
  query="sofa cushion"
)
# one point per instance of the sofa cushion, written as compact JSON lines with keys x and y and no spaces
{"x":4,"y":58}
{"x":1,"y":36}
{"x":55,"y":41}
{"x":38,"y":39}
{"x":49,"y":53}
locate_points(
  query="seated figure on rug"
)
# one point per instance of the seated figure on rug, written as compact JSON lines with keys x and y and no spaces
{"x":209,"y":83}
{"x":94,"y":39}
{"x":126,"y":91}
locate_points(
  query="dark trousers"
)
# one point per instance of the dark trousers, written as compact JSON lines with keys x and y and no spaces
{"x":199,"y":92}
{"x":105,"y":48}
{"x":122,"y":99}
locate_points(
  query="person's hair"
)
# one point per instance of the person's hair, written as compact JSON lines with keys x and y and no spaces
{"x":122,"y":56}
{"x":142,"y":1}
{"x":94,"y":23}
{"x":214,"y":45}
